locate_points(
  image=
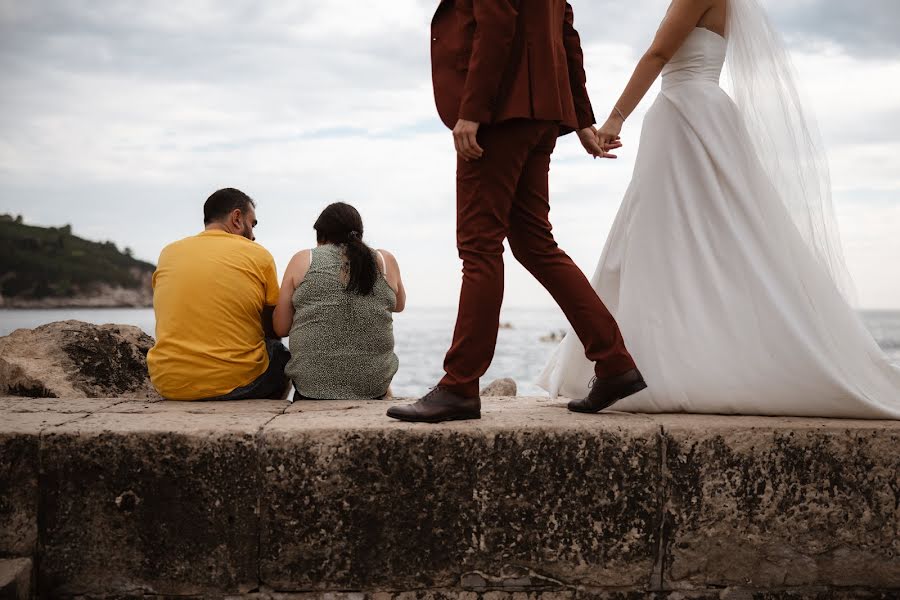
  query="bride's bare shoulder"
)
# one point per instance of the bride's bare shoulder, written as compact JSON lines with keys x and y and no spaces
{"x":680,"y":20}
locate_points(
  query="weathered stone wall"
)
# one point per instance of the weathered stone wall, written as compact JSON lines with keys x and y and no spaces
{"x":254,"y":499}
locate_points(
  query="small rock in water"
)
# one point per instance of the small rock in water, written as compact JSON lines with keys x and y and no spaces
{"x":554,"y":336}
{"x":505,"y":387}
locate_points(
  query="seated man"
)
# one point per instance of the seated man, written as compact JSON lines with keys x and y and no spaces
{"x":214,"y":294}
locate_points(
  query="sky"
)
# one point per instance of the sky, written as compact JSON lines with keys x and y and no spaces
{"x":120,"y":117}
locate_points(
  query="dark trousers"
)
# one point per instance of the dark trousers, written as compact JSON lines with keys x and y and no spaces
{"x":272,"y":384}
{"x":505,"y":195}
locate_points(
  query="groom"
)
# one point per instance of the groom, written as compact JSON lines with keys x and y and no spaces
{"x":509,"y":79}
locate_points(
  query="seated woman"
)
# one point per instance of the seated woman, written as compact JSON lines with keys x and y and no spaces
{"x":336,"y":302}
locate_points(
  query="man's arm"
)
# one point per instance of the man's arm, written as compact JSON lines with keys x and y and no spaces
{"x":677,"y":25}
{"x":495,"y":28}
{"x":577,"y":77}
{"x":270,"y":277}
{"x":584,"y":113}
{"x":268,"y":327}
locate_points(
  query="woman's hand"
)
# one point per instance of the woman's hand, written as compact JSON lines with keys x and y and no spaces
{"x":608,"y":135}
{"x":591,"y":143}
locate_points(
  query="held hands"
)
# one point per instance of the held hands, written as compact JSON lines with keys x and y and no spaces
{"x":598,"y":143}
{"x":465,"y":139}
{"x":590,"y":139}
{"x":608,"y":135}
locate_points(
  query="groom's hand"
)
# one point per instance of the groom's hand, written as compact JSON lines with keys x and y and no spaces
{"x":465,"y":139}
{"x":588,"y":137}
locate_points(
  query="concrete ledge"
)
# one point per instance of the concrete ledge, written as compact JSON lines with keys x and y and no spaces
{"x":254,"y":499}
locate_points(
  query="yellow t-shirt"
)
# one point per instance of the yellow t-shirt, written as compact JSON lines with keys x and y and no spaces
{"x":209,"y":292}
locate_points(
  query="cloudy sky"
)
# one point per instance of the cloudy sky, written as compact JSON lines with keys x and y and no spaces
{"x":121,"y":116}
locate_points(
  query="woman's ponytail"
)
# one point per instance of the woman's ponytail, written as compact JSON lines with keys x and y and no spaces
{"x":341,"y":224}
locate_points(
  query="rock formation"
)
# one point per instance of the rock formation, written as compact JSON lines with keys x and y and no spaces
{"x":50,"y":267}
{"x":500,"y":388}
{"x":98,"y":296}
{"x":15,"y":578}
{"x":72,"y":359}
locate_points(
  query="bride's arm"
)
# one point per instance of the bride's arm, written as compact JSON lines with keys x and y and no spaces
{"x":682,"y":18}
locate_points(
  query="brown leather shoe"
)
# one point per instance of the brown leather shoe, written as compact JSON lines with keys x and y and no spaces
{"x":440,"y":404}
{"x":605,"y":393}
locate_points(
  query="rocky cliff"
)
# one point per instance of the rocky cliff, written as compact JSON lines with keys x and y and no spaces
{"x":49,"y":267}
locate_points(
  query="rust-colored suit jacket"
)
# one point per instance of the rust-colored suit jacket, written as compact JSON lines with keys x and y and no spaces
{"x":495,"y":60}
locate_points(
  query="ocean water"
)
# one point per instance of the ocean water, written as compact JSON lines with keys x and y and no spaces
{"x":423,"y":336}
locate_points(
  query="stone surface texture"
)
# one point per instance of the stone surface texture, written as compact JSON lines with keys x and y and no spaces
{"x":15,"y":579}
{"x":19,"y":470}
{"x":73,"y":359}
{"x":801,"y":503}
{"x":130,"y":498}
{"x":572,"y":594}
{"x":500,"y":388}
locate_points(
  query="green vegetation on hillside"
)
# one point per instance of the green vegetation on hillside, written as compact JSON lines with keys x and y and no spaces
{"x":50,"y":262}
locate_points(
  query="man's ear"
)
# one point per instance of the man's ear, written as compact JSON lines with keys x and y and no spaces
{"x":236,"y":221}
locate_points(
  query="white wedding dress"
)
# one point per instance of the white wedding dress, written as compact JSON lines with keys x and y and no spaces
{"x":722,"y":303}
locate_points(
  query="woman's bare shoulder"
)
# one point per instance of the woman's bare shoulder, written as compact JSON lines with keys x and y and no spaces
{"x":390,"y":261}
{"x":302,"y":255}
{"x":300,"y":262}
{"x":387,"y":255}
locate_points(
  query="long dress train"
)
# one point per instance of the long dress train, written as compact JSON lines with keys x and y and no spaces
{"x":721,"y":302}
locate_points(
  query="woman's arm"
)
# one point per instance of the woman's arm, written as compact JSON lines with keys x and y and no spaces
{"x":680,"y":21}
{"x":293,"y":276}
{"x":392,"y":274}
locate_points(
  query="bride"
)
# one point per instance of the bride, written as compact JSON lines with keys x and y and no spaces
{"x":723,"y":267}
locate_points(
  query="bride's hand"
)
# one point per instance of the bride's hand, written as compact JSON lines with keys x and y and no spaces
{"x":590,"y":140}
{"x":608,"y":135}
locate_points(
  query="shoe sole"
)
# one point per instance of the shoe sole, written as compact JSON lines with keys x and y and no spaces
{"x":467,"y":417}
{"x":630,"y":390}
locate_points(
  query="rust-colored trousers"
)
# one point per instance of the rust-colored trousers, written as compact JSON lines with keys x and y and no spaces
{"x":505,"y":195}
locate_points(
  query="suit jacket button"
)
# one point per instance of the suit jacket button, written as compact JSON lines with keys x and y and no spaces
{"x":434,"y":39}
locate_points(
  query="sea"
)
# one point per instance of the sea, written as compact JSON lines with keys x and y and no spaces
{"x":526,"y":339}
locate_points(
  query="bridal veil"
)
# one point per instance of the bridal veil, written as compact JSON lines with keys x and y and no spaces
{"x":786,"y":140}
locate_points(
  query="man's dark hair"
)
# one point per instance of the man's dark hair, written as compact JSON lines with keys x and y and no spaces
{"x":221,"y":203}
